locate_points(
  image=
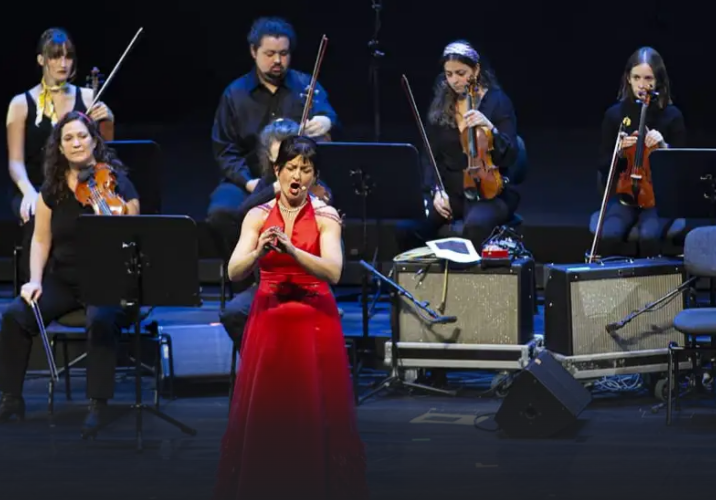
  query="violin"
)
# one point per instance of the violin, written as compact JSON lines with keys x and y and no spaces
{"x":96,"y":188}
{"x":481,"y":178}
{"x":94,"y":81}
{"x":634,"y":187}
{"x":316,"y":190}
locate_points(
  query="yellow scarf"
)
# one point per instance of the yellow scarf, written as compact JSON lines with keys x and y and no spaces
{"x":44,"y":101}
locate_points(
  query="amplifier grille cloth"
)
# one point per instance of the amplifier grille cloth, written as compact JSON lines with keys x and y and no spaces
{"x":596,"y":303}
{"x":486,"y":307}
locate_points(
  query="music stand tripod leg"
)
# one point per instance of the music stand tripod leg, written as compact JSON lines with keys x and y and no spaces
{"x":139,"y":406}
{"x":395,"y":379}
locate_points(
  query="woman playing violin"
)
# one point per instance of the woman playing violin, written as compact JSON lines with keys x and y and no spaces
{"x":74,"y":145}
{"x":645,"y":71}
{"x":448,"y":119}
{"x":32,"y":114}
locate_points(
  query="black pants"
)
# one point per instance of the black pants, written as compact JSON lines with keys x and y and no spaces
{"x":236,"y":313}
{"x":223,"y":216}
{"x":480,"y":218}
{"x":58,"y":298}
{"x":620,"y":219}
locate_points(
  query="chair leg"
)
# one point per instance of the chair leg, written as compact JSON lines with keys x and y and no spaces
{"x":232,"y":374}
{"x":51,"y":398}
{"x":167,"y":344}
{"x":16,"y":270}
{"x":354,"y":369}
{"x":672,"y":356}
{"x":222,"y":285}
{"x":157,"y":370}
{"x":66,"y":355}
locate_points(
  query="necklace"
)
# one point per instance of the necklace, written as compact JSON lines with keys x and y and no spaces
{"x":290,"y":211}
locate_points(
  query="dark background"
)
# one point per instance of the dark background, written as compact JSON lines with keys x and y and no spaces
{"x":561,"y":67}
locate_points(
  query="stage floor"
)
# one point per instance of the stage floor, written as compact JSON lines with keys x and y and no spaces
{"x":420,"y":446}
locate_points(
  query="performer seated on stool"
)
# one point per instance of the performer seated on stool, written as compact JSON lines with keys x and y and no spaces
{"x":74,"y":144}
{"x":666,"y":128}
{"x":447,"y":118}
{"x":234,"y":316}
{"x":270,"y":90}
{"x":30,"y":118}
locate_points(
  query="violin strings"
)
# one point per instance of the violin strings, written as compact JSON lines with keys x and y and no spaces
{"x":99,"y":201}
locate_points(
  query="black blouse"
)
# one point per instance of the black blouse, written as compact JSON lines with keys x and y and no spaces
{"x":669,"y":121}
{"x":449,"y":156}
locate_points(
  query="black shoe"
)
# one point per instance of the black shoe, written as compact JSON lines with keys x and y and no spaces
{"x":12,"y":405}
{"x":93,"y":420}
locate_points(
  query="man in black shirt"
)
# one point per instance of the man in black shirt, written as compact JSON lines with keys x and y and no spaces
{"x":271,"y":90}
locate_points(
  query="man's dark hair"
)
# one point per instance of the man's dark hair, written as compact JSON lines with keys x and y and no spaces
{"x":271,"y":26}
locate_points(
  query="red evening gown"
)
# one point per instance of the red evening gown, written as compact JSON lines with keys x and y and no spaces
{"x":292,"y":431}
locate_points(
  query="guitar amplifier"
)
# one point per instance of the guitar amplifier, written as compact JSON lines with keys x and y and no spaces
{"x":582,"y":299}
{"x":493,"y":306}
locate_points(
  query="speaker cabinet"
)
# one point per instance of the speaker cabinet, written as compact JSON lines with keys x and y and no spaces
{"x":544,"y":399}
{"x":493,"y":306}
{"x":582,"y":299}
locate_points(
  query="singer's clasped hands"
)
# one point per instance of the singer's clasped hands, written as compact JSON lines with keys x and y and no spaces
{"x":274,"y":239}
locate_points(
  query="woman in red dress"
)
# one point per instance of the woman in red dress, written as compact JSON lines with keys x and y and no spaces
{"x":292,"y":430}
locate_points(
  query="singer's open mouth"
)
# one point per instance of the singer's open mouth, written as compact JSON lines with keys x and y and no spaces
{"x":295,"y":188}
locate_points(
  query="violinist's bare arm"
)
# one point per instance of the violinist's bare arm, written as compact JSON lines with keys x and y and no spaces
{"x":100,"y":111}
{"x":41,"y":241}
{"x":15,"y":125}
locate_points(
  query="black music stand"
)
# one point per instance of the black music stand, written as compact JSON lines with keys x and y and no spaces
{"x":373,"y":181}
{"x":684,"y":183}
{"x":143,"y":260}
{"x":143,"y":159}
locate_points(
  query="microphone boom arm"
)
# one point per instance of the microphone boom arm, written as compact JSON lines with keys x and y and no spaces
{"x":614,"y":327}
{"x":423,"y":309}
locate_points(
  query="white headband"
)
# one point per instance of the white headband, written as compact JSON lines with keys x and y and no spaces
{"x":462,"y":49}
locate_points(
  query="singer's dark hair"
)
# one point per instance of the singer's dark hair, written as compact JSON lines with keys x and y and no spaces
{"x":295,"y":146}
{"x":651,"y":57}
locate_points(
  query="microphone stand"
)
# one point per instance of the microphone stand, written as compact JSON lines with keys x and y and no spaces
{"x":431,"y":317}
{"x":376,"y":54}
{"x":612,"y":328}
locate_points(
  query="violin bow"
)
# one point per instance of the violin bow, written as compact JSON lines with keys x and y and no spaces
{"x":607,"y":191}
{"x":314,"y":81}
{"x":423,"y":135}
{"x":114,"y":71}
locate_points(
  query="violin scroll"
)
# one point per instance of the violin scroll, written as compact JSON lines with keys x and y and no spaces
{"x":96,"y":188}
{"x":95,"y":80}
